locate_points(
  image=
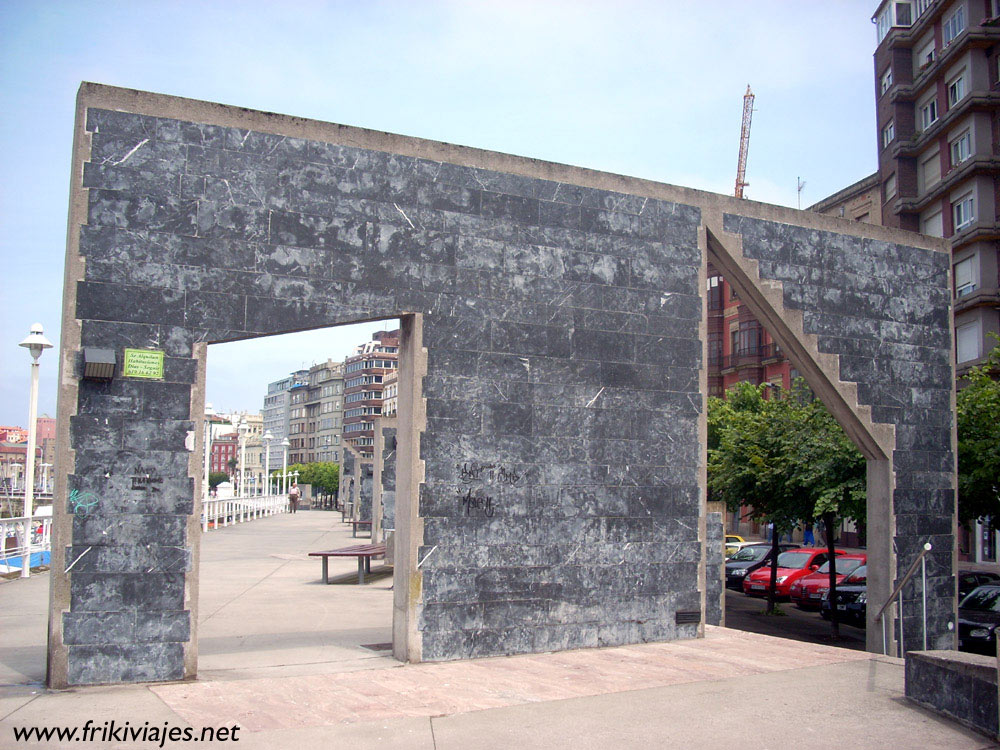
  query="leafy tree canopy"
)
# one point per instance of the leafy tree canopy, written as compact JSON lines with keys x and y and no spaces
{"x":324,"y":476}
{"x":215,"y":478}
{"x":785,"y":457}
{"x":979,"y":444}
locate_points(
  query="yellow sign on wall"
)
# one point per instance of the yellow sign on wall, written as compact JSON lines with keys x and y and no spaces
{"x":143,"y":363}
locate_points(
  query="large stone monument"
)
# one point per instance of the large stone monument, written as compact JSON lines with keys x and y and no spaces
{"x":550,"y":454}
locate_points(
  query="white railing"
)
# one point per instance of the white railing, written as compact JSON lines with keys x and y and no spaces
{"x":15,"y":544}
{"x":225,"y":511}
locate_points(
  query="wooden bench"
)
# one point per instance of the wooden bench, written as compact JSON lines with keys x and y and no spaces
{"x":364,"y":553}
{"x":356,"y":524}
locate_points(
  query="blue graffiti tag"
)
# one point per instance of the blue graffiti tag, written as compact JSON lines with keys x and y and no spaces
{"x":81,"y":502}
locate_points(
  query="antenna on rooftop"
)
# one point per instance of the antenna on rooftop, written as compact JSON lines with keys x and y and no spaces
{"x":801,"y":184}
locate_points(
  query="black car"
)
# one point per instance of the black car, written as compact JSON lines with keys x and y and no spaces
{"x":747,"y":559}
{"x":970,"y":579}
{"x":978,"y":619}
{"x":851,"y":600}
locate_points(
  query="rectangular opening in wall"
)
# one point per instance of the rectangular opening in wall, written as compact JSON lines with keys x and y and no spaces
{"x":280,"y":418}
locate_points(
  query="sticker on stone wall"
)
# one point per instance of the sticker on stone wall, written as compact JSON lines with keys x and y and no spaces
{"x":143,"y":363}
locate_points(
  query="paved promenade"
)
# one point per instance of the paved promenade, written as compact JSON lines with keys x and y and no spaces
{"x":297,"y":665}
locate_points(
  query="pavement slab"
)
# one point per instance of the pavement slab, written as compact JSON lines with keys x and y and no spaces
{"x":282,"y":656}
{"x":460,"y":687}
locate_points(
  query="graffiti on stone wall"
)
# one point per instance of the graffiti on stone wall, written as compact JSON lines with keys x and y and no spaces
{"x":146,"y":480}
{"x":492,"y":473}
{"x":478,"y":499}
{"x":82,"y":502}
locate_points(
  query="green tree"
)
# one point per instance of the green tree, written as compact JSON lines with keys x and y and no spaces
{"x":979,"y":444}
{"x":323,"y":476}
{"x":787,"y":459}
{"x":215,"y":478}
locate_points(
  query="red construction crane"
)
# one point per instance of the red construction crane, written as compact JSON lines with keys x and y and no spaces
{"x":741,"y":169}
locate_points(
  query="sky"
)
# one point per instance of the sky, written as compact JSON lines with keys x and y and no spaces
{"x":646,"y":88}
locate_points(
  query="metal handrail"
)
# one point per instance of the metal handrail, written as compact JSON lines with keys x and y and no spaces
{"x":898,"y":592}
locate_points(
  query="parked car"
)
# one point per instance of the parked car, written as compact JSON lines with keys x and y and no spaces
{"x":970,"y":579}
{"x":978,"y":619}
{"x":792,"y":565}
{"x":748,"y":559}
{"x":852,"y":598}
{"x":733,"y":544}
{"x":807,"y":592}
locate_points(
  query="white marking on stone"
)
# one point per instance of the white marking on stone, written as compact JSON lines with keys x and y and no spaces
{"x":502,"y":394}
{"x":526,"y":362}
{"x":665,"y":297}
{"x":426,"y":556}
{"x":77,"y":559}
{"x":128,"y":156}
{"x":643,"y":207}
{"x":276,"y":145}
{"x":404,"y":216}
{"x":595,"y":397}
{"x":230,"y":189}
{"x":624,"y":550}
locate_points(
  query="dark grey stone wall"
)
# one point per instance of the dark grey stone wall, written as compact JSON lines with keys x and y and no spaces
{"x":365,"y":491}
{"x":961,"y":686}
{"x":715,"y":560}
{"x":348,"y":479}
{"x":562,"y":332}
{"x":389,"y":478}
{"x":884,"y":309}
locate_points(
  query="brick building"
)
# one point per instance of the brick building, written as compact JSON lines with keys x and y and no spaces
{"x":364,"y":375}
{"x":937,"y":88}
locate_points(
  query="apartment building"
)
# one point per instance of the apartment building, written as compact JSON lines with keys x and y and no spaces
{"x":364,"y":375}
{"x":324,"y":412}
{"x":276,"y":411}
{"x":937,"y":88}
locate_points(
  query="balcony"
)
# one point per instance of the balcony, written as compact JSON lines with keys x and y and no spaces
{"x":771,"y":353}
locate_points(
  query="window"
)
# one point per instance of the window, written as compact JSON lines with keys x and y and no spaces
{"x":964,"y":211}
{"x":884,"y":22}
{"x":923,"y":5}
{"x":965,"y":282}
{"x":886,"y":81}
{"x":888,"y":133}
{"x":715,"y":293}
{"x":930,"y":171}
{"x":928,"y":114}
{"x":954,"y":25}
{"x":888,"y":188}
{"x":956,"y":90}
{"x":961,"y":148}
{"x":932,"y":224}
{"x":967,"y":340}
{"x":924,"y":55}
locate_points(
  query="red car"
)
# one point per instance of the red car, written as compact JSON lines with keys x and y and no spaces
{"x":807,"y":592}
{"x":792,"y":565}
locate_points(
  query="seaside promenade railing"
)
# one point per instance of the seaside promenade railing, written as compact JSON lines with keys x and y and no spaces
{"x":226,"y":511}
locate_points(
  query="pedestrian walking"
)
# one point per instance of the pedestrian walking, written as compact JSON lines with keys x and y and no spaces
{"x":808,"y":539}
{"x":294,"y":493}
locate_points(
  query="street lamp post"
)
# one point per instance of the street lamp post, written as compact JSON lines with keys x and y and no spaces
{"x":45,"y":477}
{"x":243,"y":429}
{"x":35,"y":343}
{"x":268,"y":437}
{"x":284,"y":466}
{"x":209,"y":413}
